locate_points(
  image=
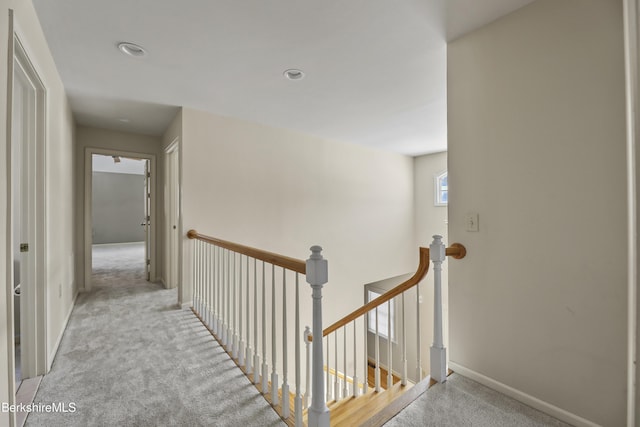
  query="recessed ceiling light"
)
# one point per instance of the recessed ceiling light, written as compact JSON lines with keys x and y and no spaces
{"x":132,"y":49}
{"x":294,"y":74}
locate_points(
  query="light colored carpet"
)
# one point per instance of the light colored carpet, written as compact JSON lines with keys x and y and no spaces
{"x":129,"y":357}
{"x":461,"y":402}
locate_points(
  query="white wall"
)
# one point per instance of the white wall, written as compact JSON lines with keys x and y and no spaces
{"x":284,"y":191}
{"x":88,"y":137}
{"x":118,"y":207}
{"x":59,"y":195}
{"x":537,"y":148}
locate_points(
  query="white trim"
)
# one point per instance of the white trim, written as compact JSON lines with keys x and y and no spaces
{"x":88,"y":184}
{"x":525,"y":398}
{"x":8,"y":332}
{"x":171,"y":174}
{"x":36,"y":302}
{"x":631,"y":50}
{"x":54,"y":350}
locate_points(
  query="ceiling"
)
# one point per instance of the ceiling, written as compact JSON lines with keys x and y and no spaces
{"x":375,"y":69}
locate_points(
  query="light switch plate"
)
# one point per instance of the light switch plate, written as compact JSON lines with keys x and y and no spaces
{"x":471,"y":220}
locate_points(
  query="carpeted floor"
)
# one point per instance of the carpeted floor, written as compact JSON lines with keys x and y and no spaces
{"x":461,"y":402}
{"x":129,"y":357}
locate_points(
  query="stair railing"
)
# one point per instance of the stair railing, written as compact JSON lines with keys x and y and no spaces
{"x":368,"y":318}
{"x":224,"y":271}
{"x":231,"y":297}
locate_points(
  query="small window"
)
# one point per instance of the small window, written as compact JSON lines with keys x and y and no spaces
{"x":442,"y":189}
{"x":383,"y":317}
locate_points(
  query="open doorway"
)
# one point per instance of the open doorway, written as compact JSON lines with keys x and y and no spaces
{"x":27,"y":213}
{"x":119,"y":218}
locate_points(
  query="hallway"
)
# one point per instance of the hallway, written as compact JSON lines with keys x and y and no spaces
{"x":129,"y":357}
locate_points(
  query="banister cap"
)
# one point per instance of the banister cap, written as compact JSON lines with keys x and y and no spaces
{"x":317,"y":268}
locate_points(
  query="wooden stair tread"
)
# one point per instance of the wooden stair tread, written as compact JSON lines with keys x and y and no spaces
{"x":355,"y":411}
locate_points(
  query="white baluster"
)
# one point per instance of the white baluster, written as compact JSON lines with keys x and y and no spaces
{"x":196,"y":273}
{"x":365,"y":366}
{"x":265,"y":367}
{"x":203,"y":278}
{"x":285,"y":383}
{"x":404,"y":346}
{"x":248,"y":355}
{"x":356,"y":387}
{"x":389,"y":349}
{"x":419,"y":335}
{"x":274,"y":349}
{"x":210,"y":287}
{"x":377,"y":367}
{"x":329,"y":388}
{"x":317,"y":276}
{"x":196,"y":294}
{"x":336,"y":378}
{"x":297,"y":403}
{"x":207,"y":285}
{"x":307,"y":344}
{"x":193,"y":269}
{"x":256,"y":356}
{"x":225,"y":292}
{"x":216,"y":303}
{"x":240,"y":337}
{"x":438,"y":353}
{"x":229,"y":310}
{"x":345,"y":383}
{"x":220,"y":292}
{"x":234,"y":309}
{"x":200,"y":280}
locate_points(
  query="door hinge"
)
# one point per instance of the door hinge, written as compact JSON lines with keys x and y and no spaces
{"x":148,"y":262}
{"x":24,"y":247}
{"x":148,"y":174}
{"x":148,"y":218}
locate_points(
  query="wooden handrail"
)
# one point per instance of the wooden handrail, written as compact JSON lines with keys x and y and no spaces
{"x":293,"y":264}
{"x":456,"y":250}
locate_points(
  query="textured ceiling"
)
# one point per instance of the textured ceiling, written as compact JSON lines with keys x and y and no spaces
{"x":375,"y":69}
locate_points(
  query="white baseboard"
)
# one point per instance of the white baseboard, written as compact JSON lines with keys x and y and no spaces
{"x":525,"y":398}
{"x":54,"y":351}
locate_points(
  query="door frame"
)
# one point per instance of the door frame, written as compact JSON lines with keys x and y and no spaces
{"x":88,"y":208}
{"x":33,"y":304}
{"x":631,"y":18}
{"x":172,"y":255}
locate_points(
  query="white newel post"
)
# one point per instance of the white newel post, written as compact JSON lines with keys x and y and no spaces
{"x":438,"y":352}
{"x":317,"y":275}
